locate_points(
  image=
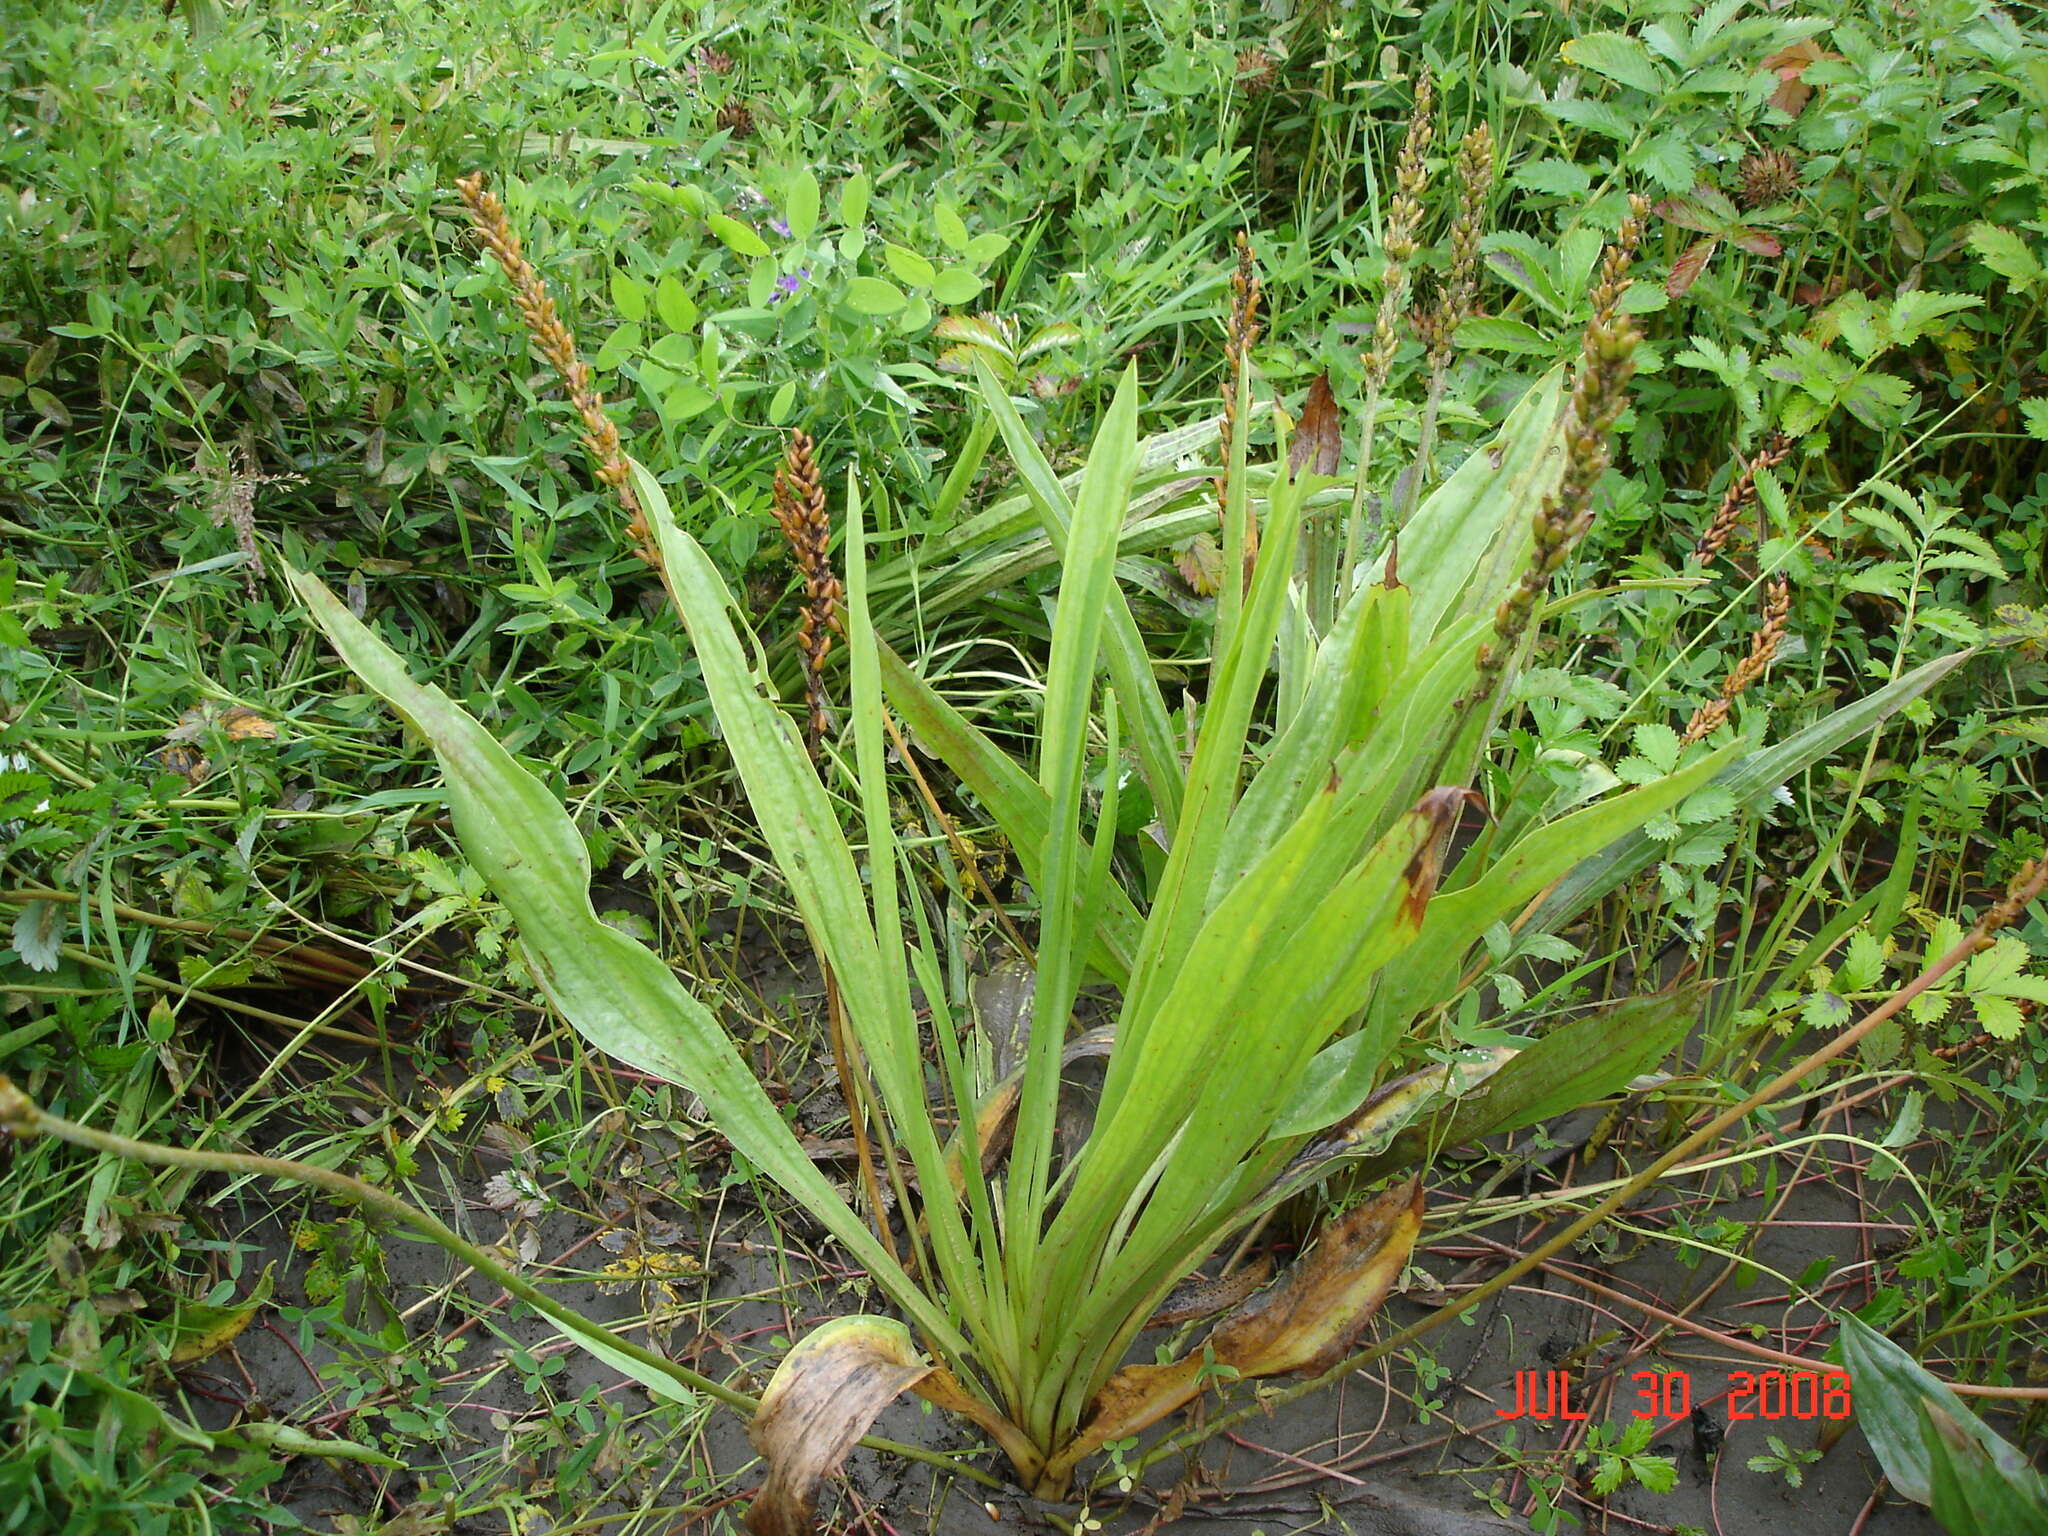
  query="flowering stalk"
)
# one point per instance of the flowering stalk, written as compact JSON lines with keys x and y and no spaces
{"x":1762,"y":647}
{"x":1475,"y":184}
{"x":1606,"y":362}
{"x":1241,"y":332}
{"x":1741,"y":491}
{"x":1404,"y":219}
{"x":555,"y":343}
{"x":799,"y":508}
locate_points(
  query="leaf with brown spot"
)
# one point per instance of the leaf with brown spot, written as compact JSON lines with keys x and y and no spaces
{"x":822,"y":1398}
{"x":1692,"y":261}
{"x":1442,"y":806}
{"x":1318,"y":437}
{"x":1200,"y":565}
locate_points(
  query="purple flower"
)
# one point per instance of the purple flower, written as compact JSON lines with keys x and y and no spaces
{"x":789,"y":284}
{"x":780,"y":226}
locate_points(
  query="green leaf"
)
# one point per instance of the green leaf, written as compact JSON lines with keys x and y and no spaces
{"x":951,"y":228}
{"x":909,"y":267}
{"x":2006,"y":254}
{"x":629,"y":297}
{"x":1497,"y":333}
{"x":874,"y":296}
{"x":673,"y":304}
{"x":1891,"y":1393}
{"x":853,"y":201}
{"x":617,"y":994}
{"x":800,"y":204}
{"x":1975,"y":1493}
{"x":623,"y":343}
{"x":1620,"y":58}
{"x":742,"y":239}
{"x":956,"y":285}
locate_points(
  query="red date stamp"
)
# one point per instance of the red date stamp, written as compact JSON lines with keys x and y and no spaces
{"x":1773,"y":1395}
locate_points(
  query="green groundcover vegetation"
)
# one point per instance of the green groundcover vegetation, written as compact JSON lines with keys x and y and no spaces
{"x":248,"y":327}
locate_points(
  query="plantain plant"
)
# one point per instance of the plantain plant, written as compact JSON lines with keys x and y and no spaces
{"x":1301,"y":925}
{"x":1313,"y":914}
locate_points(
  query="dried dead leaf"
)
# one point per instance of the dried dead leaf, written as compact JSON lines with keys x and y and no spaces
{"x":822,"y":1398}
{"x":1790,"y":64}
{"x":1318,"y":437}
{"x":1308,"y":1321}
{"x":1304,"y":1324}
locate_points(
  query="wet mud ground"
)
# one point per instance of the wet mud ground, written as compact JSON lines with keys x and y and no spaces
{"x":1413,"y":1445}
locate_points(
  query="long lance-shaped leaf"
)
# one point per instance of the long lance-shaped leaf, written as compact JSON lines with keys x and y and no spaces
{"x":1750,"y":779}
{"x":1343,"y":699}
{"x":618,"y":995}
{"x":802,"y":831}
{"x":1186,"y":887}
{"x":1085,"y":592}
{"x":899,"y":1063}
{"x":1130,"y":668}
{"x":1309,"y":983}
{"x":1576,"y":1064}
{"x":1470,"y":539}
{"x":1016,"y":800}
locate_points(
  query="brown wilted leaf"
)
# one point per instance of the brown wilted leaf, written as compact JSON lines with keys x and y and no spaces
{"x":822,"y":1398}
{"x":1200,"y":564}
{"x":1308,"y":1321}
{"x":1692,"y":261}
{"x":240,"y":723}
{"x":1318,"y":438}
{"x":1790,"y":64}
{"x":1304,"y":1324}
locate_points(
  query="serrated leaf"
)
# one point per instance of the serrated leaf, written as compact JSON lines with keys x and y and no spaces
{"x":2006,"y":254}
{"x":1497,"y":333}
{"x":1862,"y":961}
{"x":1669,"y":160}
{"x":1658,"y":744}
{"x":1711,"y":803}
{"x":39,"y":935}
{"x":1619,"y":58}
{"x":2000,"y":1016}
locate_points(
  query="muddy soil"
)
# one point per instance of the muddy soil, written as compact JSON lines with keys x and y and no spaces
{"x":1413,"y":1446}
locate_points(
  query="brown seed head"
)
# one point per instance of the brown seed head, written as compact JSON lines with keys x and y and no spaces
{"x":1762,"y":647}
{"x":555,"y":343}
{"x":1606,"y":362}
{"x":806,"y":525}
{"x":1765,"y":177}
{"x":1740,"y":493}
{"x":1404,"y":220}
